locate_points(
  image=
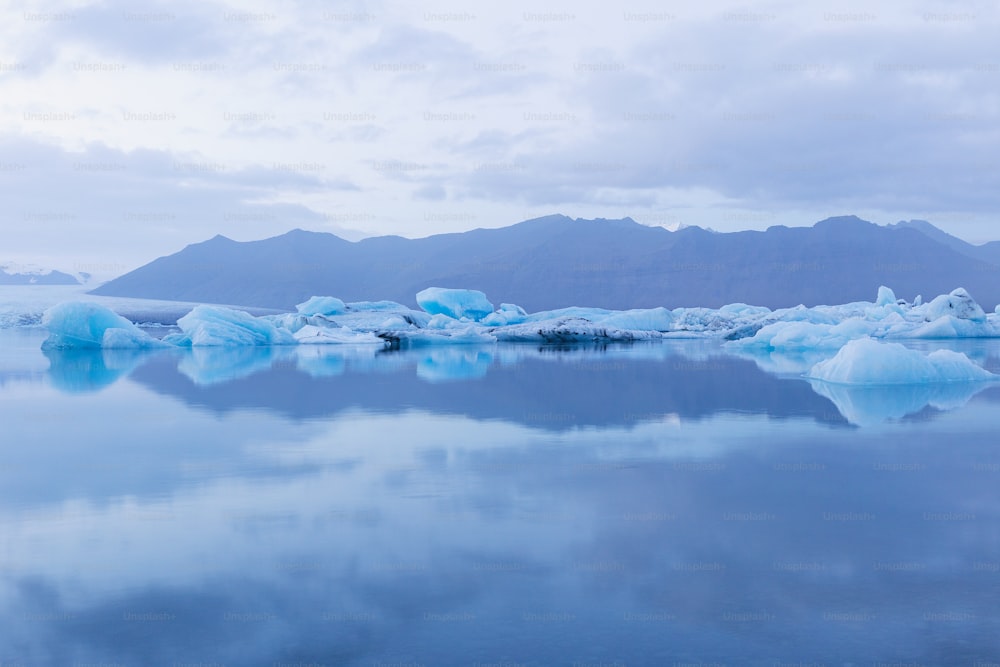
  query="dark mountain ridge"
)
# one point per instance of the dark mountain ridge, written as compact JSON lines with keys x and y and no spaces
{"x":557,"y":261}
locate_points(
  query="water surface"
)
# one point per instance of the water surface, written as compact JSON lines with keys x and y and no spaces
{"x":514,"y":505}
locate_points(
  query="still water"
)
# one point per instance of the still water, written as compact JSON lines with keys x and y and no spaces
{"x":665,"y":504}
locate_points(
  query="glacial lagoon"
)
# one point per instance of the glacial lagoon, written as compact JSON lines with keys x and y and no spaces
{"x":659,"y":503}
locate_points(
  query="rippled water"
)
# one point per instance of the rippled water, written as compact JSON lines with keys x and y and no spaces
{"x":657,"y":504}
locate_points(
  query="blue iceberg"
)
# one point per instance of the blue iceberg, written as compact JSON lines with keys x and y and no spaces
{"x":456,"y":303}
{"x":82,"y":325}
{"x":322,"y":305}
{"x":215,"y":325}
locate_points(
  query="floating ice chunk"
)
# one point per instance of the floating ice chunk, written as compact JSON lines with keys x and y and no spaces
{"x":792,"y":336}
{"x":952,"y":327}
{"x":589,"y":314}
{"x":87,"y":325}
{"x":313,"y":335}
{"x":886,"y":297}
{"x":322,"y":305}
{"x":868,"y":362}
{"x":444,"y":322}
{"x":394,"y":323}
{"x":743,"y":310}
{"x":957,"y":304}
{"x":651,"y":319}
{"x":818,"y":315}
{"x":215,"y":325}
{"x":802,"y":335}
{"x":369,"y":306}
{"x":421,"y":337}
{"x":569,"y":330}
{"x":701,"y":320}
{"x":507,"y":313}
{"x":376,"y":320}
{"x":456,"y":303}
{"x":293,"y":321}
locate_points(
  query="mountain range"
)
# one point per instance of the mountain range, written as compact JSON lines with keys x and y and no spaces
{"x":15,"y":274}
{"x":557,"y":261}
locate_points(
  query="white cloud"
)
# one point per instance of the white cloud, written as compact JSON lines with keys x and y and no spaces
{"x":416,"y":121}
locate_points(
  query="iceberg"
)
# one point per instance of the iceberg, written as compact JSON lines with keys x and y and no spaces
{"x":650,"y":319}
{"x":954,"y":315}
{"x":957,"y":304}
{"x":215,"y":325}
{"x":456,"y":303}
{"x":374,"y":306}
{"x":568,"y":330}
{"x":803,"y":335}
{"x":311,"y":334}
{"x":321,"y":305}
{"x":866,"y":361}
{"x":468,"y":335}
{"x":885,"y":296}
{"x":507,"y":313}
{"x":83,"y":325}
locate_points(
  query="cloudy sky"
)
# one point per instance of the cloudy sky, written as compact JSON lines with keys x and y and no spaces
{"x":129,"y":130}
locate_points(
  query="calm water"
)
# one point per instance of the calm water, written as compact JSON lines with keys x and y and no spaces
{"x":649,"y":505}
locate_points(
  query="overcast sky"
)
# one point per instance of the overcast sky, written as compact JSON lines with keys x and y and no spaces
{"x":128,"y":130}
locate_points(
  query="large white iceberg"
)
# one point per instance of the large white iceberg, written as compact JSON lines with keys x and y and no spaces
{"x":868,"y":362}
{"x":87,"y":325}
{"x":456,"y":303}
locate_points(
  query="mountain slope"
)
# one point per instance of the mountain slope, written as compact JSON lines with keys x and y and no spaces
{"x":558,"y":261}
{"x":987,"y":252}
{"x":13,"y":274}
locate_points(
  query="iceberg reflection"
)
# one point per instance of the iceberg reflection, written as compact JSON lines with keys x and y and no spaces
{"x":871,"y":405}
{"x":582,"y":384}
{"x":215,"y":365}
{"x":77,"y":371}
